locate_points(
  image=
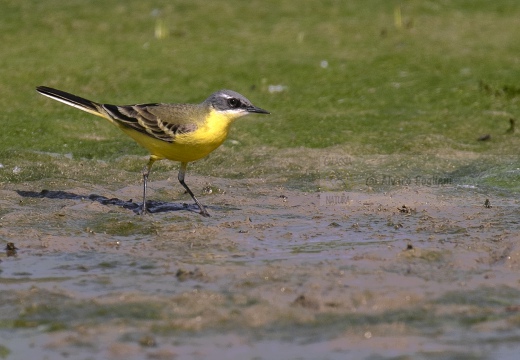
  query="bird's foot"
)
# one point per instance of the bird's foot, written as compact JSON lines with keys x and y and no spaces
{"x":143,"y":210}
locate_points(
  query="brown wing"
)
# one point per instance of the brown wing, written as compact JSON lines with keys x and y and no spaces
{"x":161,"y":121}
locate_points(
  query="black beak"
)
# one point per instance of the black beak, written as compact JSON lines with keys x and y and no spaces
{"x":254,"y":109}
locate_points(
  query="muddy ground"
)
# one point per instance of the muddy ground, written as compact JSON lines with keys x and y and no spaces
{"x":409,"y":272}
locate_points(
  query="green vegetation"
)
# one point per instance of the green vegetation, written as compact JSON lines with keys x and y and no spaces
{"x":369,"y":78}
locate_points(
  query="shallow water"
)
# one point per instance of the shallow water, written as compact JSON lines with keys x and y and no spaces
{"x":393,"y":270}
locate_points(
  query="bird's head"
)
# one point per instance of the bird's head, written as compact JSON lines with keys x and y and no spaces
{"x":232,"y":104}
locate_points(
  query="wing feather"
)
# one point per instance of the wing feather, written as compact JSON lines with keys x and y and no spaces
{"x":161,"y":121}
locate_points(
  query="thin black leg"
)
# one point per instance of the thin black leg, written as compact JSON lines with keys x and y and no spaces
{"x":146,"y":173}
{"x":182,"y":172}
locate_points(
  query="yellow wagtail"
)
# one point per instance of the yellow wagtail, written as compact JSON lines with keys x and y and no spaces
{"x":178,"y":132}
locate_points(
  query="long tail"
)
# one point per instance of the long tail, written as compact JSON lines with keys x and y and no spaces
{"x":73,"y":100}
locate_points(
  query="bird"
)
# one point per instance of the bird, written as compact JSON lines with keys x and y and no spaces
{"x":177,"y":132}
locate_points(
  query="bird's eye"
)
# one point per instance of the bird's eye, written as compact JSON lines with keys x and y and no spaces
{"x":233,"y":103}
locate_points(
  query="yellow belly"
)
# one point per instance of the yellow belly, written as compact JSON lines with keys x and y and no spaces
{"x":189,"y":146}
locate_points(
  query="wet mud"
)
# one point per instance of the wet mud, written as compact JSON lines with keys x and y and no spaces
{"x":407,"y":272}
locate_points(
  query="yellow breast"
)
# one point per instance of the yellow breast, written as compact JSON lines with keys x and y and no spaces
{"x":189,"y":146}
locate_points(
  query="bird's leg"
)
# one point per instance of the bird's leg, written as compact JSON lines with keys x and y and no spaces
{"x":182,"y":172}
{"x":146,"y":172}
